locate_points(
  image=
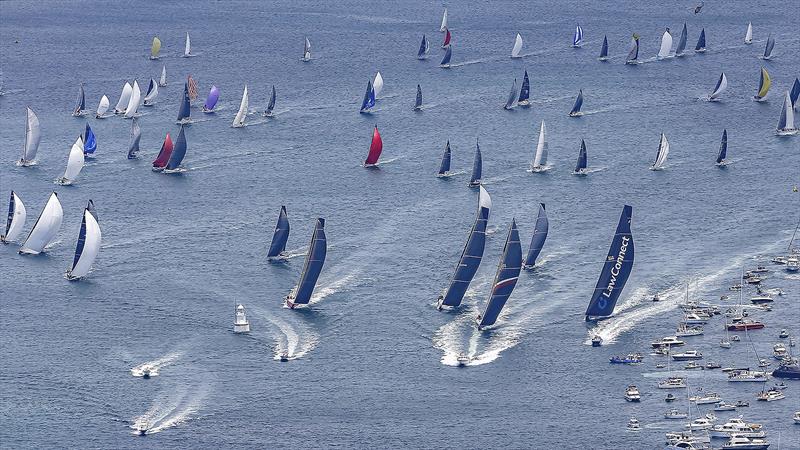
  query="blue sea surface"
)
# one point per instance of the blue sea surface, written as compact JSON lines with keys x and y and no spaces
{"x":373,"y":363}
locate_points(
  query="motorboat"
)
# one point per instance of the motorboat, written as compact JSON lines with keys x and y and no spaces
{"x":742,"y":404}
{"x":669,"y":341}
{"x":745,"y":324}
{"x":147,"y":370}
{"x":656,"y":298}
{"x":792,"y":265}
{"x":695,"y":318}
{"x":791,"y":342}
{"x":760,"y":299}
{"x":687,"y":356}
{"x":751,"y":376}
{"x":597,"y":341}
{"x":632,"y":394}
{"x":713,"y":365}
{"x":141,"y":426}
{"x":735,"y":338}
{"x":706,"y":399}
{"x":797,"y":418}
{"x":630,"y":358}
{"x":734,"y":369}
{"x":724,"y":343}
{"x":783,"y":334}
{"x":675,"y":414}
{"x":736,"y":287}
{"x":770,"y":395}
{"x":661,"y":351}
{"x":633,"y":424}
{"x":781,"y":260}
{"x":284,"y":357}
{"x":762,"y":363}
{"x":672,"y":383}
{"x":780,"y":386}
{"x":688,"y":440}
{"x":752,"y":279}
{"x":702,"y":423}
{"x":670,"y":398}
{"x":686,"y":331}
{"x":790,"y":370}
{"x":462,"y":360}
{"x":660,"y":365}
{"x":692,"y":365}
{"x":779,"y":351}
{"x":744,"y":443}
{"x":722,"y":406}
{"x":760,"y":269}
{"x":737,"y":426}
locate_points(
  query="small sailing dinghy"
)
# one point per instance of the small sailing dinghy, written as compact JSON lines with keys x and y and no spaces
{"x":89,"y":142}
{"x":124,"y":99}
{"x":748,"y":36}
{"x":163,"y":80}
{"x":375,"y":149}
{"x":723,"y":150}
{"x":763,"y":86}
{"x":377,"y":84}
{"x":477,"y":167}
{"x":471,"y":256}
{"x":604,"y":50}
{"x":505,"y":279}
{"x":786,"y":126}
{"x":136,"y":136}
{"x":633,"y":55}
{"x":185,"y":112}
{"x":241,"y":115}
{"x":661,"y":156}
{"x":187,"y":48}
{"x":537,"y":240}
{"x":722,"y":84}
{"x":75,"y":163}
{"x":539,"y":163}
{"x":89,"y":238}
{"x":445,"y":64}
{"x":152,"y":93}
{"x":277,"y":249}
{"x":16,"y":219}
{"x":33,"y":134}
{"x":271,"y":104}
{"x":512,"y":96}
{"x":577,"y":37}
{"x":443,"y":27}
{"x":768,"y":48}
{"x":795,"y":93}
{"x":681,"y":48}
{"x":424,"y":48}
{"x":418,"y":101}
{"x":177,"y":154}
{"x":133,"y":103}
{"x":306,"y":51}
{"x":45,"y":228}
{"x":369,"y":98}
{"x":576,"y":108}
{"x":525,"y":91}
{"x":163,"y":155}
{"x":701,"y":42}
{"x":580,"y":166}
{"x":80,"y":105}
{"x":515,"y":51}
{"x":444,"y":167}
{"x":315,"y":259}
{"x":211,"y":100}
{"x":666,"y":45}
{"x":616,"y":270}
{"x":446,"y":42}
{"x":102,"y":108}
{"x":155,"y":49}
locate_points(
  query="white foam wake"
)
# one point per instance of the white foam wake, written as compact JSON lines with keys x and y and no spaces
{"x":170,"y":410}
{"x":156,"y":364}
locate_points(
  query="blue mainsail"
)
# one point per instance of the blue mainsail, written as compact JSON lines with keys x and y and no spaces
{"x":471,"y":255}
{"x":701,"y":42}
{"x":768,"y":48}
{"x":80,"y":105}
{"x":512,"y":96}
{"x":682,"y":41}
{"x":576,"y":108}
{"x":445,"y":166}
{"x":604,"y":49}
{"x":539,"y":236}
{"x":616,"y":270}
{"x":369,"y":97}
{"x":525,"y":91}
{"x":424,"y":47}
{"x":89,"y":141}
{"x":178,"y":151}
{"x":280,"y":236}
{"x":185,"y":112}
{"x":723,"y":147}
{"x":271,"y":104}
{"x":580,"y":166}
{"x":505,"y":279}
{"x":447,"y":55}
{"x":81,"y":241}
{"x":477,"y":166}
{"x":418,"y":101}
{"x":315,"y":259}
{"x":795,"y":94}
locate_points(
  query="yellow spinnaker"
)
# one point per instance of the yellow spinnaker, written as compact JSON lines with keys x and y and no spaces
{"x":765,"y":83}
{"x":156,"y":47}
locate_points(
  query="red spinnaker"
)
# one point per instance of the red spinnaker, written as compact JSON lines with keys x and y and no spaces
{"x":164,"y":154}
{"x":375,"y":148}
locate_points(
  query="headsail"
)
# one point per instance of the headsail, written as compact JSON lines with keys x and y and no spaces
{"x":477,"y":166}
{"x":723,"y":148}
{"x":763,"y":85}
{"x":517,"y":47}
{"x":666,"y":45}
{"x":701,"y":42}
{"x":75,"y":163}
{"x":444,"y":167}
{"x":633,"y":55}
{"x":102,"y":107}
{"x":136,"y":136}
{"x":661,"y":156}
{"x":616,"y":270}
{"x":748,"y":36}
{"x":88,"y":246}
{"x":604,"y":49}
{"x":89,"y":141}
{"x":307,"y":50}
{"x":795,"y":94}
{"x":152,"y":93}
{"x":164,"y":154}
{"x":446,"y":58}
{"x":133,"y":103}
{"x":424,"y":48}
{"x":786,"y":125}
{"x":471,"y":255}
{"x":45,"y":228}
{"x":539,"y":236}
{"x":280,"y":236}
{"x":576,"y":108}
{"x":443,"y":27}
{"x":577,"y":38}
{"x":377,"y":85}
{"x":418,"y":101}
{"x":185,"y":111}
{"x":241,"y":115}
{"x":512,"y":96}
{"x":722,"y":84}
{"x":16,"y":219}
{"x":369,"y":98}
{"x":506,"y":278}
{"x":33,"y":134}
{"x":271,"y":104}
{"x":315,"y":259}
{"x":187,"y":49}
{"x":80,"y":104}
{"x":682,"y":41}
{"x":525,"y":91}
{"x":124,"y":99}
{"x":580,"y":166}
{"x":163,"y":80}
{"x":211,"y":100}
{"x":155,"y":48}
{"x":375,"y":149}
{"x":178,"y":152}
{"x":539,"y":162}
{"x":768,"y":47}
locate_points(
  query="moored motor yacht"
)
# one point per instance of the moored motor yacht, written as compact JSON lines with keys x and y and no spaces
{"x":695,"y":318}
{"x":792,"y":265}
{"x":702,"y":423}
{"x":672,"y":383}
{"x":685,"y":331}
{"x":705,"y":399}
{"x":633,"y":424}
{"x":713,"y":365}
{"x":722,"y":406}
{"x":632,"y":394}
{"x":760,"y":269}
{"x":789,"y":370}
{"x":752,"y":376}
{"x":781,"y":260}
{"x":738,"y":442}
{"x":669,"y":341}
{"x":687,"y":356}
{"x":761,"y":299}
{"x":745,"y":324}
{"x":779,"y":351}
{"x":630,"y":358}
{"x":770,"y":395}
{"x":738,"y":426}
{"x":675,"y":414}
{"x":692,"y":365}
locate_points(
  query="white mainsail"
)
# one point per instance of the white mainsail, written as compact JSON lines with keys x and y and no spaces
{"x":377,"y":85}
{"x":517,"y":47}
{"x":540,"y":157}
{"x":33,"y":134}
{"x":133,"y":103}
{"x":86,"y":254}
{"x":16,"y":219}
{"x":666,"y":45}
{"x":151,"y":95}
{"x":74,"y":163}
{"x":748,"y":37}
{"x":102,"y":108}
{"x":786,"y":125}
{"x":187,"y":51}
{"x":241,"y":115}
{"x":661,"y":156}
{"x":444,"y":21}
{"x":722,"y":84}
{"x":124,"y":99}
{"x":163,"y":80}
{"x":307,"y":50}
{"x":46,"y":227}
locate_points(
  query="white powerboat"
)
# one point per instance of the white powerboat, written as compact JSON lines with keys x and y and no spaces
{"x":462,"y":360}
{"x":702,"y":423}
{"x":752,"y":376}
{"x":632,"y":394}
{"x":147,"y":370}
{"x":722,"y":406}
{"x":141,"y":426}
{"x":695,"y":318}
{"x":792,"y":265}
{"x":760,"y":299}
{"x":688,"y":355}
{"x":672,"y":383}
{"x":779,"y":351}
{"x":779,"y":260}
{"x":284,"y":357}
{"x":669,"y":341}
{"x":597,"y":341}
{"x":706,"y":399}
{"x":686,"y":331}
{"x":633,"y":424}
{"x":770,"y":395}
{"x":675,"y":414}
{"x":744,"y":443}
{"x":692,"y":365}
{"x":783,"y":334}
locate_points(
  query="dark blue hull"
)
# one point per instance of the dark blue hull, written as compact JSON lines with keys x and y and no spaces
{"x":790,"y":372}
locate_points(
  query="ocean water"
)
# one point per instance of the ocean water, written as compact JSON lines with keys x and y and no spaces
{"x":372,"y":360}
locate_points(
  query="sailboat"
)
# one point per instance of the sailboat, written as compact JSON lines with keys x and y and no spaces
{"x":306,"y":50}
{"x":720,"y":87}
{"x":661,"y":156}
{"x":74,"y":164}
{"x":539,"y":163}
{"x":124,"y":99}
{"x":375,"y":149}
{"x":768,"y":48}
{"x":748,"y":36}
{"x":136,"y":136}
{"x":369,"y":98}
{"x":576,"y":108}
{"x":241,"y":115}
{"x":666,"y":45}
{"x":525,"y":91}
{"x":505,"y":279}
{"x":33,"y":134}
{"x":577,"y":38}
{"x":80,"y":105}
{"x":102,"y":108}
{"x":604,"y":50}
{"x":89,"y":238}
{"x":133,"y":103}
{"x":446,"y":41}
{"x":45,"y":228}
{"x":795,"y":93}
{"x":679,"y":50}
{"x":786,"y":126}
{"x":477,"y":167}
{"x":418,"y":100}
{"x":517,"y":47}
{"x":616,"y":270}
{"x":163,"y":155}
{"x":90,"y":207}
{"x":512,"y":96}
{"x":177,"y":154}
{"x":152,"y":93}
{"x":445,"y":64}
{"x":211,"y":100}
{"x":377,"y":84}
{"x":163,"y":80}
{"x":701,"y":42}
{"x":633,"y":55}
{"x":187,"y":49}
{"x":16,"y":219}
{"x":89,"y":142}
{"x":723,"y":149}
{"x":315,"y":259}
{"x":185,"y":112}
{"x":444,"y":167}
{"x":155,"y":49}
{"x":763,"y":86}
{"x":424,"y":48}
{"x":271,"y":104}
{"x":443,"y":27}
{"x":471,"y":255}
{"x":537,"y":240}
{"x":580,"y":166}
{"x":192,"y":88}
{"x":277,"y":249}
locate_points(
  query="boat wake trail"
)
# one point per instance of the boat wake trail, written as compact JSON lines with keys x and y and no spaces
{"x":338,"y":285}
{"x":594,"y":169}
{"x":171,"y":409}
{"x":551,"y":99}
{"x":302,"y":251}
{"x":156,"y":364}
{"x":471,"y":62}
{"x":294,"y":341}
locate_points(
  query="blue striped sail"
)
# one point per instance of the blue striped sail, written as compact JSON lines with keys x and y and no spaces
{"x":580,"y":166}
{"x":477,"y":166}
{"x":424,"y":47}
{"x":616,"y":270}
{"x":185,"y":111}
{"x":447,"y":55}
{"x":505,"y":280}
{"x":524,"y":91}
{"x":89,"y":141}
{"x":604,"y":49}
{"x":539,"y":236}
{"x":280,"y":236}
{"x":178,"y":152}
{"x":418,"y":100}
{"x":682,"y":41}
{"x":577,"y":38}
{"x":723,"y":148}
{"x":795,"y":94}
{"x":471,"y":255}
{"x":369,"y":98}
{"x":701,"y":42}
{"x":576,"y":108}
{"x":315,"y":259}
{"x":444,"y":167}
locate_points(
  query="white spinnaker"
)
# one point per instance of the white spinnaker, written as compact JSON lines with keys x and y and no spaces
{"x":75,"y":162}
{"x":17,"y":219}
{"x":124,"y":98}
{"x":91,"y":247}
{"x":663,"y":151}
{"x":517,"y":46}
{"x":102,"y":108}
{"x":46,"y":227}
{"x":238,"y":121}
{"x":133,"y":103}
{"x":666,"y":45}
{"x":540,"y":158}
{"x":33,"y":134}
{"x":150,"y":96}
{"x":723,"y":84}
{"x":377,"y":85}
